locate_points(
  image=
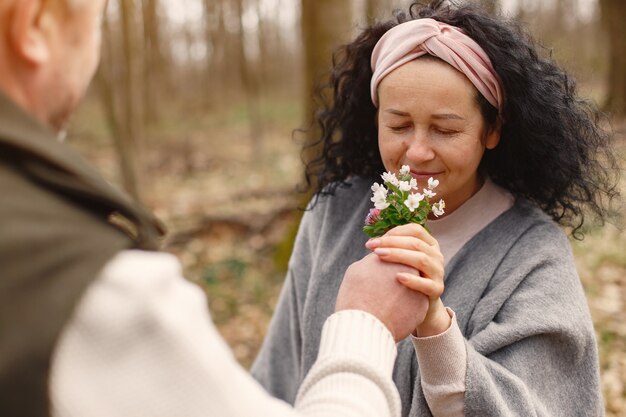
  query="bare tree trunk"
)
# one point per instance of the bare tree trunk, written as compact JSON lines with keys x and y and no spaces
{"x":133,"y":121}
{"x":263,"y":41}
{"x":325,"y":25}
{"x":250,"y":80}
{"x":155,"y":64}
{"x":613,"y":18}
{"x":559,"y":22}
{"x":377,"y":9}
{"x":106,"y":83}
{"x":215,"y":31}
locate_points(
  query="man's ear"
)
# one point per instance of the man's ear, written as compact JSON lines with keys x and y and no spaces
{"x":28,"y":31}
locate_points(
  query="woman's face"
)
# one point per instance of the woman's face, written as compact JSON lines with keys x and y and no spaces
{"x":430,"y":120}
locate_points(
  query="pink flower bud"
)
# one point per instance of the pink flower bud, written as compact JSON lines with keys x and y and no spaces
{"x":373,"y":216}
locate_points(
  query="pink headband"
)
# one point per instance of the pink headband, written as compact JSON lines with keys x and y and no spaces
{"x":410,"y":40}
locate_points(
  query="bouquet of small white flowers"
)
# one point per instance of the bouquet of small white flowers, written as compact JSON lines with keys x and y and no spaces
{"x":396,"y":204}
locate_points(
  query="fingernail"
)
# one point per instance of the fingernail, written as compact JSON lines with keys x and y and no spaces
{"x":372,"y":243}
{"x":382,"y":252}
{"x":403,"y":278}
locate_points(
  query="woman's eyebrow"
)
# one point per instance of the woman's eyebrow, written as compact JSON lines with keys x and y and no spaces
{"x":439,"y":116}
{"x":448,"y":116}
{"x":396,"y":112}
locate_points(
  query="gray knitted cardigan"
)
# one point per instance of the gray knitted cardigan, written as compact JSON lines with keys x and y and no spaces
{"x":530,"y":342}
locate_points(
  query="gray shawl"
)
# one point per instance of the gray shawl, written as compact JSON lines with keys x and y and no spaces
{"x":530,"y":342}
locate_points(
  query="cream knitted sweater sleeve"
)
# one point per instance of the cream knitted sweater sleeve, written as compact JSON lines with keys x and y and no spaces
{"x":142,"y":343}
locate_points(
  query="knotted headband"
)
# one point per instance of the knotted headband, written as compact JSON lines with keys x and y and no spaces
{"x":410,"y":40}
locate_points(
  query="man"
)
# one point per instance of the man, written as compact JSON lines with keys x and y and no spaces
{"x":95,"y":322}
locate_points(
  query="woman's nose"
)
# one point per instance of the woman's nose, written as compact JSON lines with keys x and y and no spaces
{"x":419,"y":149}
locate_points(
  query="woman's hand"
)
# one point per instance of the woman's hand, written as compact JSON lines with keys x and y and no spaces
{"x":413,"y":246}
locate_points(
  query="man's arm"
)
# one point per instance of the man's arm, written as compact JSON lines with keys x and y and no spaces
{"x":142,"y":343}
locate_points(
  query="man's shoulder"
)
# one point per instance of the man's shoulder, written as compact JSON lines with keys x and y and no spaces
{"x":33,"y":217}
{"x":20,"y":193}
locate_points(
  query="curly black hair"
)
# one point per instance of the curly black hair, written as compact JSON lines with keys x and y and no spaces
{"x":553,"y":148}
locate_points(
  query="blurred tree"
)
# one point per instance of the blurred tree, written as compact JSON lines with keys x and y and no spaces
{"x":263,"y":38}
{"x":250,"y":80}
{"x":155,"y":66}
{"x":613,"y":18}
{"x":377,"y":9}
{"x":107,"y":81}
{"x":325,"y":25}
{"x":215,"y":31}
{"x":133,"y":120}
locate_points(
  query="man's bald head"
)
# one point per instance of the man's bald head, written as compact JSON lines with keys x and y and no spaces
{"x":76,"y":4}
{"x":49,"y":51}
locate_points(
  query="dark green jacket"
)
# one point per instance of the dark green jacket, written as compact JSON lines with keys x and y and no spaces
{"x":56,"y":233}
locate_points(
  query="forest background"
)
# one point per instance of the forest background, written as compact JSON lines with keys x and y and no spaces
{"x":193,"y":112}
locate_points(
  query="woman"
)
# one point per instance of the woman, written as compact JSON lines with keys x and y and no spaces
{"x":463,"y":98}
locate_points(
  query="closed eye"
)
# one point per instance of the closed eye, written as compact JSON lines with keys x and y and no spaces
{"x":445,"y":132}
{"x":399,"y":129}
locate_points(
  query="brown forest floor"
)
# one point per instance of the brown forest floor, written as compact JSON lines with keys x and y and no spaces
{"x":230,"y":210}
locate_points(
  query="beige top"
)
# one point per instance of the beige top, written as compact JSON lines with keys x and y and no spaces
{"x":457,"y":228}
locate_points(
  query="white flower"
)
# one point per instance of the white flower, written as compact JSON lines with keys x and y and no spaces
{"x":429,"y":193}
{"x":381,"y":204}
{"x":413,"y":201}
{"x":413,"y":183}
{"x":438,"y":208}
{"x":405,"y":186}
{"x":376,"y":186}
{"x":432,"y":183}
{"x":405,"y":170}
{"x":380,"y":193}
{"x":380,"y":198}
{"x":390,"y":178}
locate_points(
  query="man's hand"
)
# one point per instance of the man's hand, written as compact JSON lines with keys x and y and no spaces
{"x":371,"y":285}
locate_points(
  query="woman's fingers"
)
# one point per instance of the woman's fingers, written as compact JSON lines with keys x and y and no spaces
{"x":415,"y":230}
{"x":403,"y":242}
{"x":432,"y":289}
{"x":413,"y":246}
{"x":429,"y":266}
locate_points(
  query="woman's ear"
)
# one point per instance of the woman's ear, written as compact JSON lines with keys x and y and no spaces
{"x":493,"y":135}
{"x":28,"y":31}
